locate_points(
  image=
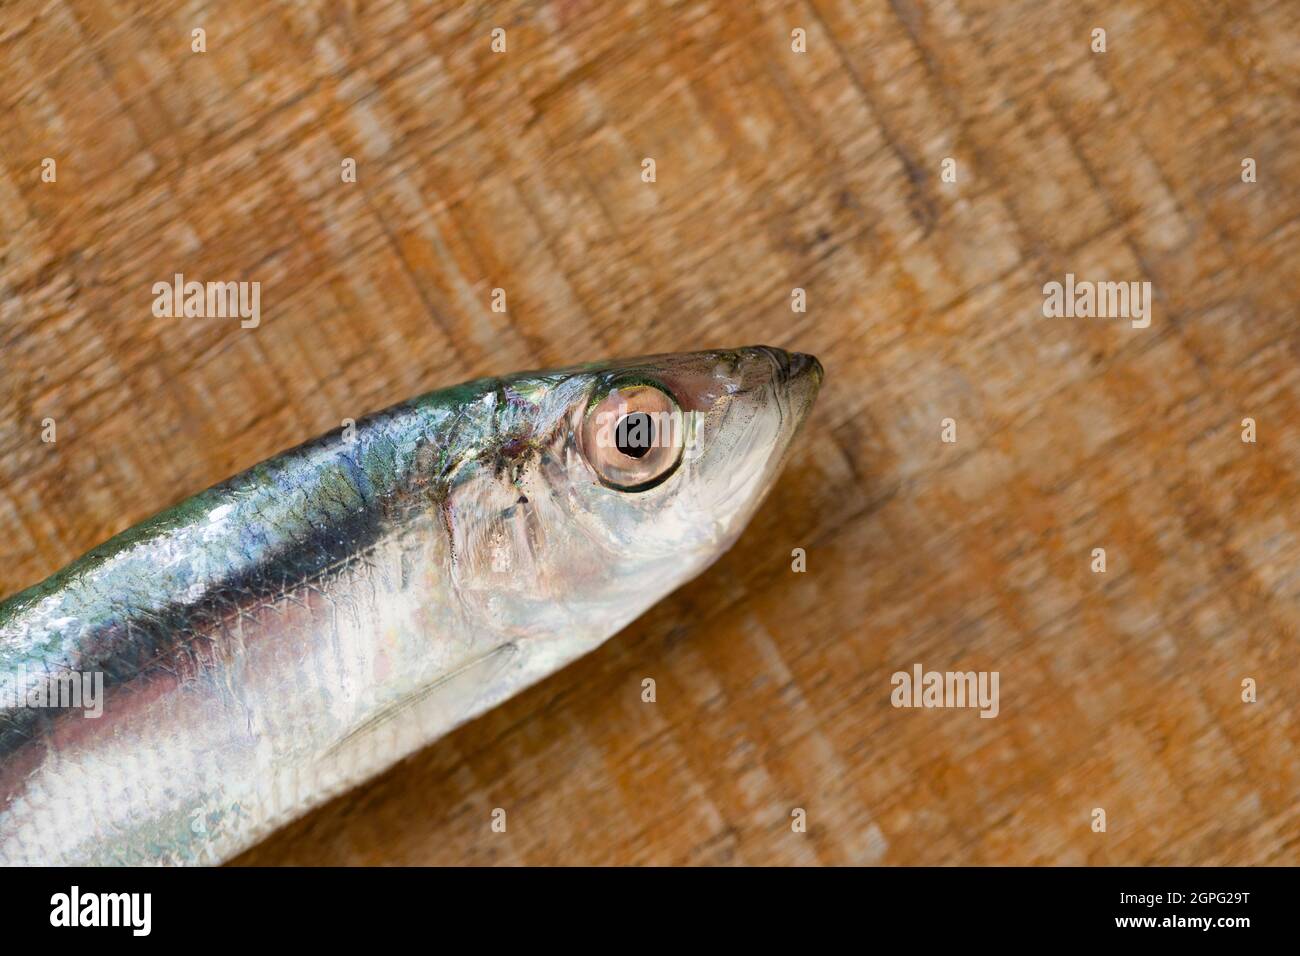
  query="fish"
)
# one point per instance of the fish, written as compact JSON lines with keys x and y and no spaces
{"x":208,"y":675}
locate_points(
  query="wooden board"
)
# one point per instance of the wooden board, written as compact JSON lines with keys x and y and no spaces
{"x":775,"y":170}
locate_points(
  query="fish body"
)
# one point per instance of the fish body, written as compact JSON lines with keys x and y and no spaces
{"x":282,"y":636}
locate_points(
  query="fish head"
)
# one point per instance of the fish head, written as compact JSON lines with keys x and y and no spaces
{"x":669,"y":457}
{"x":621,"y":481}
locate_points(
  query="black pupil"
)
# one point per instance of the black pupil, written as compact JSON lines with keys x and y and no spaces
{"x":633,"y":434}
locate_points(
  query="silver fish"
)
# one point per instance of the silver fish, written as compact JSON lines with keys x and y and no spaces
{"x":284,"y":635}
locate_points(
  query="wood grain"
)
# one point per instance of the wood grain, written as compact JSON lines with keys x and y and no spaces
{"x":774,"y":170}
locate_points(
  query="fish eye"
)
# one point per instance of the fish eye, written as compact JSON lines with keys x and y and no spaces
{"x":632,"y":435}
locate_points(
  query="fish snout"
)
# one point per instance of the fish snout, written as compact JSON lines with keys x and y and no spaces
{"x":797,"y":376}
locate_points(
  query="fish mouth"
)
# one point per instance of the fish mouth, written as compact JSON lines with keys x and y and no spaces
{"x":778,"y":389}
{"x":796,"y":379}
{"x":802,"y":365}
{"x":791,"y":366}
